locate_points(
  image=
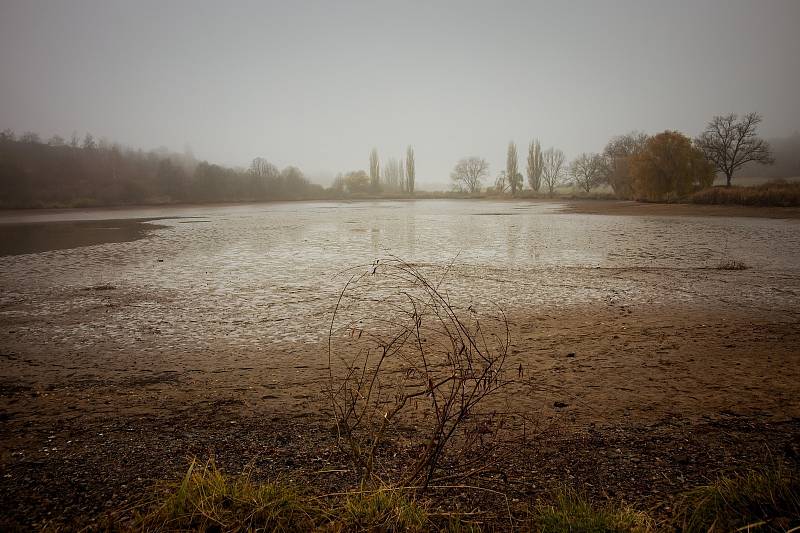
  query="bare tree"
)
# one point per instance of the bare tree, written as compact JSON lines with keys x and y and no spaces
{"x":552,"y":169}
{"x":391,"y":174}
{"x":469,"y":172}
{"x":89,"y":142}
{"x":410,"y":170}
{"x":617,"y":155}
{"x":730,"y":143}
{"x":501,"y":184}
{"x":587,"y":171}
{"x":535,"y":165}
{"x":262,"y":168}
{"x":30,"y":137}
{"x":374,"y":170}
{"x":511,"y":169}
{"x":401,"y":176}
{"x":56,"y":140}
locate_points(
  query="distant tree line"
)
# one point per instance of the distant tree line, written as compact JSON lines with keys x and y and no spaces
{"x":396,"y":176}
{"x":661,"y":167}
{"x":85,"y":172}
{"x":669,"y":165}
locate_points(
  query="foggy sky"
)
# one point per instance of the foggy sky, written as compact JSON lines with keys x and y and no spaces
{"x":318,"y":84}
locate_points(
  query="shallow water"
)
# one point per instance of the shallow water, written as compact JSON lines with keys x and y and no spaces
{"x":248,"y":274}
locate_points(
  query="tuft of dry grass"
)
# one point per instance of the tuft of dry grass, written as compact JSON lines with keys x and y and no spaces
{"x":570,"y":512}
{"x":380,"y":510}
{"x":207,"y":500}
{"x":767,"y":499}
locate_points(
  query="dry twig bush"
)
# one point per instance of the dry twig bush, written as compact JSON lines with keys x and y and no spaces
{"x":405,"y":362}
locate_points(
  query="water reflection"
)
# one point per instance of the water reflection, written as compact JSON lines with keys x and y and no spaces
{"x":259,"y":273}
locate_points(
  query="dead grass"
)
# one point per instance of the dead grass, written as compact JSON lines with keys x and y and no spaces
{"x":772,"y":194}
{"x":208,"y":500}
{"x":767,"y":499}
{"x":380,"y":510}
{"x":570,"y":512}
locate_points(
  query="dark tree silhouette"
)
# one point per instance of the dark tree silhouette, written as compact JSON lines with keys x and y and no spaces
{"x":729,"y":143}
{"x":587,"y":171}
{"x":91,"y":173}
{"x":617,"y":154}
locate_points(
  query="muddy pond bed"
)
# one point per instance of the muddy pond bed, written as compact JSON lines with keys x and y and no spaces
{"x":131,"y":339}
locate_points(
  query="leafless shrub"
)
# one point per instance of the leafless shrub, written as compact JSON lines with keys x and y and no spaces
{"x":400,"y":353}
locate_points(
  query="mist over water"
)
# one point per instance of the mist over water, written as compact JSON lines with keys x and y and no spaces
{"x":318,"y":84}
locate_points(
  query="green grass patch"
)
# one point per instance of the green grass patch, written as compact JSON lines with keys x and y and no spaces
{"x":207,"y":500}
{"x":381,"y":510}
{"x":757,"y":500}
{"x":570,"y":512}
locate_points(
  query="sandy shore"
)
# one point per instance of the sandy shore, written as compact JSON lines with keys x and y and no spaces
{"x":639,"y":364}
{"x":642,"y":401}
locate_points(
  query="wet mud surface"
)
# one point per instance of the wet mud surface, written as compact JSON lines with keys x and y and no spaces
{"x":649,"y":368}
{"x":631,"y":208}
{"x":35,"y":237}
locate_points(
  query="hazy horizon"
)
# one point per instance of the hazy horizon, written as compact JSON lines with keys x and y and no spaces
{"x":318,"y":85}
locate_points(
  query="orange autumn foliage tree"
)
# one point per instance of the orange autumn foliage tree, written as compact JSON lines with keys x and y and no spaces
{"x":669,"y":167}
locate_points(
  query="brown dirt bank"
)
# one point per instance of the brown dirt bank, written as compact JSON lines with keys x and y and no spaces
{"x":657,"y":399}
{"x":630,"y":208}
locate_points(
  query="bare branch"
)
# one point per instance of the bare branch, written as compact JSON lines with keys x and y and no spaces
{"x":729,"y":143}
{"x":469,"y":172}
